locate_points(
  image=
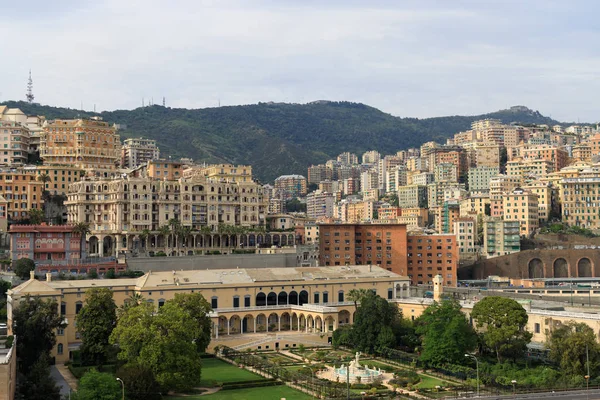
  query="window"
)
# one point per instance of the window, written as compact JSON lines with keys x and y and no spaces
{"x":236,"y":301}
{"x":325,"y":297}
{"x":214,"y":302}
{"x":247,"y":301}
{"x":316,"y":298}
{"x":390,"y":293}
{"x":60,"y":348}
{"x":537,"y":328}
{"x":341,"y":296}
{"x":78,"y":307}
{"x":63,"y":308}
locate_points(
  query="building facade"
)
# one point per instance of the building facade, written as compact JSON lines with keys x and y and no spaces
{"x":501,"y":237}
{"x":291,"y":186}
{"x":431,"y":255}
{"x":138,"y":151}
{"x":91,"y":145}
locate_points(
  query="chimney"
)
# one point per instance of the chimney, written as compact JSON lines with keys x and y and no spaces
{"x":31,"y":274}
{"x":48,"y":277}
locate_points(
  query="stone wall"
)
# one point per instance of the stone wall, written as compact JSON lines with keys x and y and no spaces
{"x":146,"y":264}
{"x":541,"y":263}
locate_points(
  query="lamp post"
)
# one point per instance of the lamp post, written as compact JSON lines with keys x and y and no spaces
{"x":514,"y":382}
{"x":477,"y":366}
{"x":122,"y":387}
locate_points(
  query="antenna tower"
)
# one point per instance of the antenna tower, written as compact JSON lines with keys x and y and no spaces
{"x":29,"y":96}
{"x":163,"y":101}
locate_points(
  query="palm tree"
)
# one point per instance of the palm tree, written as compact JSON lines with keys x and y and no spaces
{"x":356,"y":295}
{"x":144,"y":237}
{"x":134,"y":300}
{"x":44,"y":178}
{"x":165,"y":232}
{"x":175,"y":226}
{"x":82,"y":229}
{"x":184,"y":233}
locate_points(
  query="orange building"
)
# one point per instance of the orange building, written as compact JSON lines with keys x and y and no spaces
{"x":430,"y":255}
{"x":389,"y":213}
{"x":22,"y":192}
{"x":165,"y":169}
{"x":87,"y":144}
{"x":360,"y":244}
{"x":558,"y":156}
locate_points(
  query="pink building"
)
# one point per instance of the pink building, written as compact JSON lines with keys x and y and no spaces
{"x":45,"y":243}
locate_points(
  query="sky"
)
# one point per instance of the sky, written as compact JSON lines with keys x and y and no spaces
{"x":408,"y":58}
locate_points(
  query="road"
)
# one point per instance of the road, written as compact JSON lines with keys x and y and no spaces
{"x":592,"y":394}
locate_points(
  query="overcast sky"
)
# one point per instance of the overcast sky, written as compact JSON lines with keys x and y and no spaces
{"x":409,"y":58}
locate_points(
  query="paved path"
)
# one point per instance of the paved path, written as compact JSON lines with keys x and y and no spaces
{"x":67,"y":376}
{"x":60,"y":381}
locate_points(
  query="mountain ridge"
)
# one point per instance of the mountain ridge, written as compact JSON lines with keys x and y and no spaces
{"x":282,"y":138}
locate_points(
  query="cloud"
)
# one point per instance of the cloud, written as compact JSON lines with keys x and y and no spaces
{"x":419,"y":59}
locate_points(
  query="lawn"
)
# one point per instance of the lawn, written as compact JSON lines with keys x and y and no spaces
{"x":261,"y":393}
{"x":428,"y":382}
{"x":215,"y":370}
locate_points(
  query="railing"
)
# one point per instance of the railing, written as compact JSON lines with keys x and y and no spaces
{"x":76,"y":261}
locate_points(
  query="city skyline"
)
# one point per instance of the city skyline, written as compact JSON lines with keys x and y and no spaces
{"x":417,"y":60}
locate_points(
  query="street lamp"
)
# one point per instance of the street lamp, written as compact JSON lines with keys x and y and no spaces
{"x":123,"y":387}
{"x":477,"y":365}
{"x":587,"y":384}
{"x":514,"y":391}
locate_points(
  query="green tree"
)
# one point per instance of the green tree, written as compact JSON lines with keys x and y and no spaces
{"x":140,"y":383}
{"x":446,"y":334}
{"x":568,"y":344}
{"x":503,"y":321}
{"x":295,"y":205}
{"x":96,"y":385}
{"x":163,"y":341}
{"x":342,"y":336}
{"x":23,"y":266}
{"x":95,"y":323}
{"x":35,"y":324}
{"x":36,"y":216}
{"x":373,"y":318}
{"x":198,"y":308}
{"x":356,"y":295}
{"x":37,"y":384}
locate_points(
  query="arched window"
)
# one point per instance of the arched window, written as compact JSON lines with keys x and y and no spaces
{"x":282,"y":298}
{"x":261,"y":299}
{"x":161,"y":302}
{"x":272,"y":299}
{"x":293,"y":297}
{"x":60,"y":348}
{"x":304,"y":297}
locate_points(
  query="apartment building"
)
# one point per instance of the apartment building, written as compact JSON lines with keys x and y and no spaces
{"x":501,"y":237}
{"x":545,"y":194}
{"x":14,"y":143}
{"x":521,"y":205}
{"x":347,"y":158}
{"x":138,"y":151}
{"x":447,"y":214}
{"x":479,"y":177}
{"x":318,"y":173}
{"x":356,"y":211}
{"x":59,"y":177}
{"x":291,"y":186}
{"x":529,"y":169}
{"x":478,"y":204}
{"x":412,"y":196}
{"x":487,"y":155}
{"x":465,"y":230}
{"x":422,"y":178}
{"x":166,"y":169}
{"x":45,"y":243}
{"x":580,"y":199}
{"x":445,"y":172}
{"x":124,"y":206}
{"x":396,"y":177}
{"x":320,"y":205}
{"x":557,"y":155}
{"x":227,"y":172}
{"x":22,"y":191}
{"x":389,"y":213}
{"x":417,"y":164}
{"x":91,"y":145}
{"x":383,"y":245}
{"x":371,"y":157}
{"x":449,"y":154}
{"x":431,"y":255}
{"x":582,"y":152}
{"x":498,"y":186}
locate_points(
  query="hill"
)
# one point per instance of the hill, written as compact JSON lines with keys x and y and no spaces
{"x":279,"y":138}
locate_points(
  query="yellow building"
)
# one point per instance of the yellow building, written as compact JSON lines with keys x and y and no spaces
{"x":229,"y":172}
{"x":582,"y":152}
{"x":8,"y":371}
{"x":119,"y":209}
{"x":22,"y":191}
{"x":165,"y":169}
{"x":580,"y":201}
{"x":543,"y":191}
{"x":307,"y":301}
{"x":521,"y":205}
{"x":61,"y":176}
{"x":91,"y":145}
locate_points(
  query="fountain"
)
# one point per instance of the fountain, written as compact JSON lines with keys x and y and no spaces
{"x":354,"y":371}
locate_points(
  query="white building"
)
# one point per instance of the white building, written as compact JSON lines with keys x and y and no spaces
{"x":138,"y":151}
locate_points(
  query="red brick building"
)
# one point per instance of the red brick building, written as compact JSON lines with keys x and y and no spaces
{"x":430,"y":255}
{"x":361,"y":244}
